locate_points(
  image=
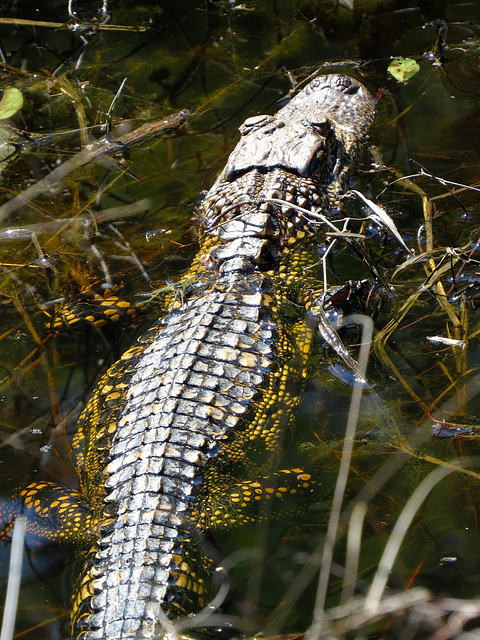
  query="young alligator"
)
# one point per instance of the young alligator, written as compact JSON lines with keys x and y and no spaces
{"x":184,"y":434}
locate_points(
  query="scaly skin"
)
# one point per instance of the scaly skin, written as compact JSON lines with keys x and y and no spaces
{"x":185,"y":434}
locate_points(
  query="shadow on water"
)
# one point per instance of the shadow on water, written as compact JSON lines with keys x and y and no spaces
{"x":86,"y":262}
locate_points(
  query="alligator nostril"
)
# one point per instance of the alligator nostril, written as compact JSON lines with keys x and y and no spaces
{"x":352,"y":89}
{"x":347,"y":85}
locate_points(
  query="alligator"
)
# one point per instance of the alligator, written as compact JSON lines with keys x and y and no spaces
{"x":186,"y":434}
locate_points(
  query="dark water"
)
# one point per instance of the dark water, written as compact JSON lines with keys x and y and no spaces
{"x":225,"y":61}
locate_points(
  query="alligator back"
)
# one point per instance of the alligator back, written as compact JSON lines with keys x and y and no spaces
{"x":195,"y":378}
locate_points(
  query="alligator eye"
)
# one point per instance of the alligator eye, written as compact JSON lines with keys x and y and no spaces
{"x":253,"y":123}
{"x":321,"y":126}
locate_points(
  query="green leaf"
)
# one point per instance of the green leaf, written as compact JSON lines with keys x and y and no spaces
{"x":11,"y":102}
{"x":402,"y":69}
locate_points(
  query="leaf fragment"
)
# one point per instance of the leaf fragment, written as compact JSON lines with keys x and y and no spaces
{"x":402,"y":69}
{"x":11,"y":102}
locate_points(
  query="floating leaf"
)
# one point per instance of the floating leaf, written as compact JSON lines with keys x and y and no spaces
{"x":11,"y":102}
{"x":402,"y":69}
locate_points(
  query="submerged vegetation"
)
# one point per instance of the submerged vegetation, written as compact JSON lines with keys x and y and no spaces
{"x":113,"y":120}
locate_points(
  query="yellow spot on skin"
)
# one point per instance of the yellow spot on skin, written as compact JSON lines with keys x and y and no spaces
{"x":114,"y":396}
{"x":181,"y":581}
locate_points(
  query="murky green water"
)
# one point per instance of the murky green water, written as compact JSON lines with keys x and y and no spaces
{"x":225,"y":61}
